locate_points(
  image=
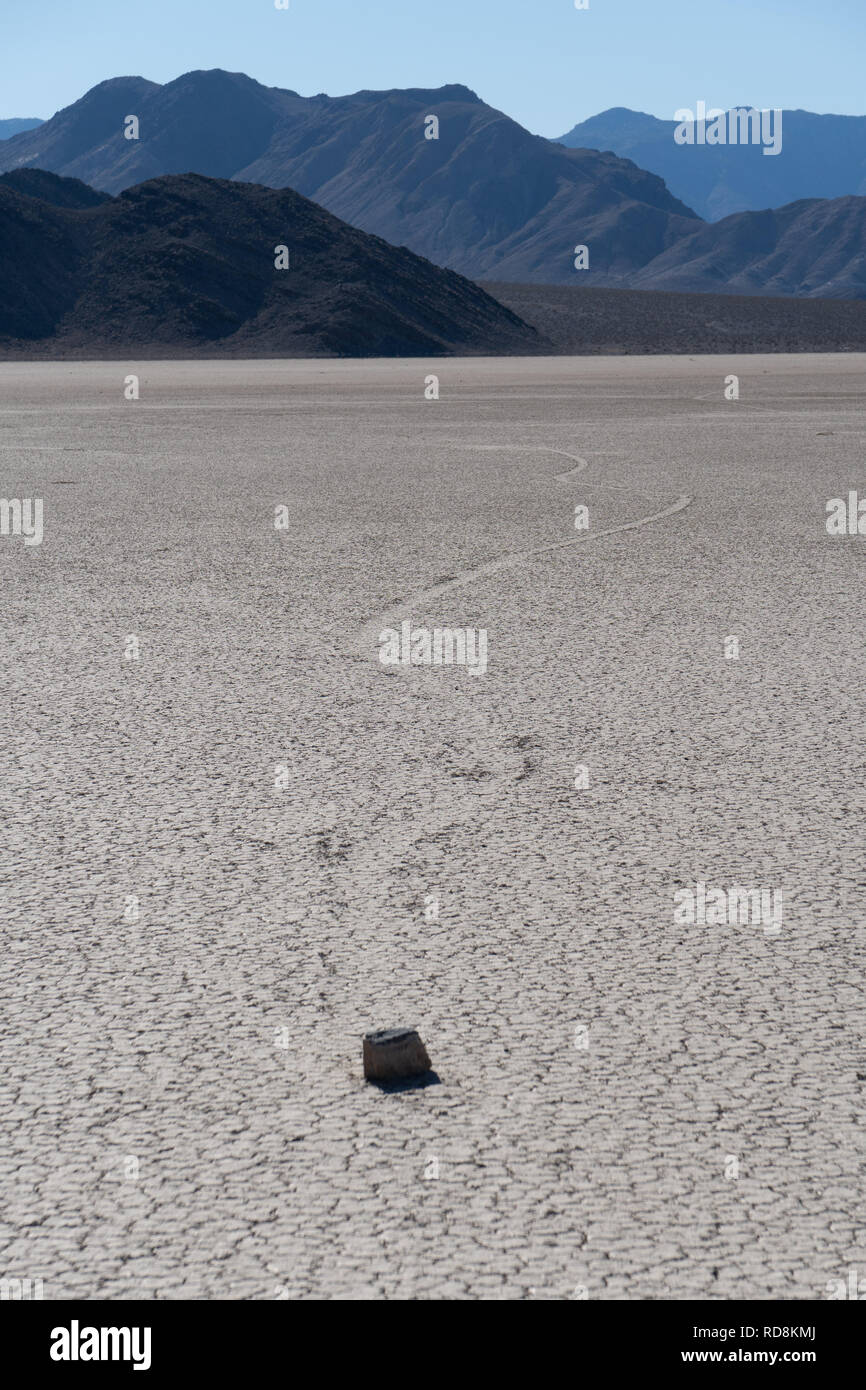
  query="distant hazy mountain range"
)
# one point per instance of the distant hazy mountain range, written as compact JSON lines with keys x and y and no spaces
{"x":486,"y":198}
{"x":187,"y":263}
{"x":15,"y":125}
{"x":821,"y":157}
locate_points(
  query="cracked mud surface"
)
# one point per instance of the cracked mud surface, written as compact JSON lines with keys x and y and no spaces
{"x":184,"y":1113}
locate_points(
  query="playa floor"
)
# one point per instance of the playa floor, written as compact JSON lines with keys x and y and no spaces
{"x":234,"y":841}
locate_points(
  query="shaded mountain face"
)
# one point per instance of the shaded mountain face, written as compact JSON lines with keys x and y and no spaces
{"x":41,"y":266}
{"x":811,"y":249}
{"x":484,"y":198}
{"x":186,"y":263}
{"x":821,"y":157}
{"x":16,"y":124}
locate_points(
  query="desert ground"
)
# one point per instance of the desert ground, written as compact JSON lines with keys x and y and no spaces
{"x":226,"y":860}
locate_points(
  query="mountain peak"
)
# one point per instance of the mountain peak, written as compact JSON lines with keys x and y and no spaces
{"x":456,"y":91}
{"x":117,"y":84}
{"x":222,"y":77}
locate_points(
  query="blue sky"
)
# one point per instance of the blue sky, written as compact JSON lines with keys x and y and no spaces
{"x":545,"y":63}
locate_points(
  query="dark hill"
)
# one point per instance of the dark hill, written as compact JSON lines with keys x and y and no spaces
{"x":41,"y":266}
{"x":186,"y":264}
{"x":51,"y":188}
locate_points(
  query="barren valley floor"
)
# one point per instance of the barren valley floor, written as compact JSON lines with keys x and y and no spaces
{"x":226,"y":860}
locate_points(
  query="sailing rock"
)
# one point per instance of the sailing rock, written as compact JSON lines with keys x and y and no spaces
{"x":391,"y":1054}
